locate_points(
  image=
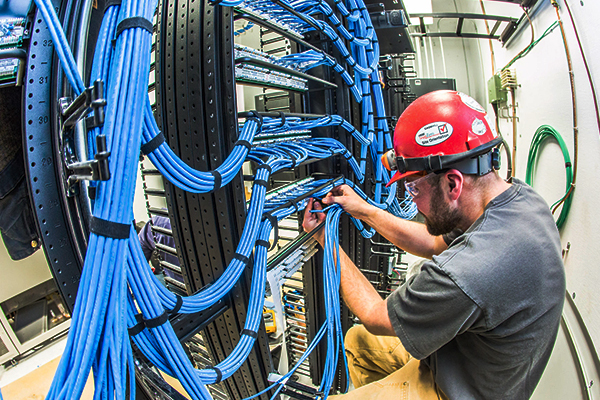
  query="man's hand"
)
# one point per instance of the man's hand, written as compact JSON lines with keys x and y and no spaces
{"x":312,"y":220}
{"x":352,"y":203}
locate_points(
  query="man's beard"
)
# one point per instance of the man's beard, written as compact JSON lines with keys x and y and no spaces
{"x":441,"y":219}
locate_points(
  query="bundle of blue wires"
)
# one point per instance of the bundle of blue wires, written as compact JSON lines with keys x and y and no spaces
{"x":117,"y":291}
{"x":98,"y":338}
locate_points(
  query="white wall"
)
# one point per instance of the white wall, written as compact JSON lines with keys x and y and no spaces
{"x":544,"y":97}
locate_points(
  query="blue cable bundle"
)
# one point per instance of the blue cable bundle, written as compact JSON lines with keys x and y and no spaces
{"x":97,"y":338}
{"x":117,"y":290}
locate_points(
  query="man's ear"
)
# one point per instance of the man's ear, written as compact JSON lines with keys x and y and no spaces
{"x":453,"y":180}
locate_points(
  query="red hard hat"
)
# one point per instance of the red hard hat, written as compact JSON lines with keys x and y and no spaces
{"x":440,"y":130}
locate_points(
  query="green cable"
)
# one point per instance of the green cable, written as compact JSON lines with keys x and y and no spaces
{"x":532,"y":45}
{"x":545,"y":132}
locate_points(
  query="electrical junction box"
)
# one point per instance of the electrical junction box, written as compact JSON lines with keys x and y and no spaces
{"x":495,"y":92}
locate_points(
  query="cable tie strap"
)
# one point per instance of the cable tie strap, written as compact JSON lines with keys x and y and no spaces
{"x":240,"y":257}
{"x":568,"y":165}
{"x":153,"y":144}
{"x":255,"y":116}
{"x":252,"y":334}
{"x":178,"y":305}
{"x":137,"y":328}
{"x":282,"y":116}
{"x":290,"y":203}
{"x":290,"y":155}
{"x":134,"y":22}
{"x":92,"y":192}
{"x":261,"y":182}
{"x":265,"y":166}
{"x":244,"y":143}
{"x":219,"y":374}
{"x":263,"y":243}
{"x":111,"y":3}
{"x":217,"y":175}
{"x":273,"y":220}
{"x":109,"y":229}
{"x":157,"y":321}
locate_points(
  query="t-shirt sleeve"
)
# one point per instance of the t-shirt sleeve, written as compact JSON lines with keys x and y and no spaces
{"x":429,"y":310}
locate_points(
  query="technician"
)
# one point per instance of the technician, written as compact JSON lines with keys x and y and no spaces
{"x":481,"y":317}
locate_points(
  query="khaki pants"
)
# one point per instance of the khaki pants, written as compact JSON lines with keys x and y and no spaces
{"x":381,"y":369}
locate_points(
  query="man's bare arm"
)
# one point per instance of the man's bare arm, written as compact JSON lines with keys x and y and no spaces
{"x":410,"y":236}
{"x":359,"y":295}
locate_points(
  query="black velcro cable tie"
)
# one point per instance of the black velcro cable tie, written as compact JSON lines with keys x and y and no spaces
{"x":568,"y":165}
{"x":255,"y":116}
{"x":265,"y":166}
{"x":261,"y":182}
{"x":290,"y":155}
{"x":92,"y":192}
{"x":219,"y":374}
{"x":157,"y":321}
{"x":134,"y":22}
{"x":178,"y":305}
{"x":217,"y":175}
{"x":263,"y":243}
{"x":244,"y":143}
{"x":240,"y":257}
{"x":273,"y":220}
{"x":365,"y":80}
{"x":252,"y":334}
{"x":153,"y":144}
{"x":111,"y":3}
{"x":282,"y":117}
{"x":109,"y":229}
{"x":137,"y":328}
{"x":290,"y":203}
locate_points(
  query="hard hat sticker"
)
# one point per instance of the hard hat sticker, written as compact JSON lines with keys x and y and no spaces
{"x":434,"y":133}
{"x":471,"y":102}
{"x":478,"y":127}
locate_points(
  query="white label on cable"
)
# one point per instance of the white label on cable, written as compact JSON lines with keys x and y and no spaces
{"x":471,"y":102}
{"x":478,"y":127}
{"x":434,"y":133}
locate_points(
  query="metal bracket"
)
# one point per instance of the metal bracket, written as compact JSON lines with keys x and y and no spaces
{"x":91,"y":98}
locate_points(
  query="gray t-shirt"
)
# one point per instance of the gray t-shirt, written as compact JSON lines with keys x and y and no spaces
{"x":484,"y":314}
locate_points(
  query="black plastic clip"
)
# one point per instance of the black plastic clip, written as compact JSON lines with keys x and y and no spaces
{"x":92,"y":170}
{"x":92,"y":99}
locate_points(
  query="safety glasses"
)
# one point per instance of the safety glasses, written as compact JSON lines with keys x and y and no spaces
{"x":412,"y":187}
